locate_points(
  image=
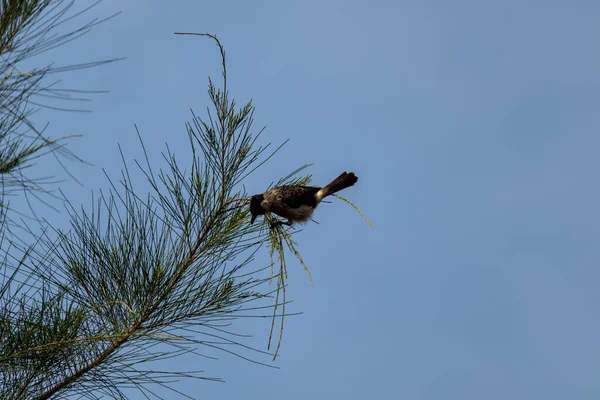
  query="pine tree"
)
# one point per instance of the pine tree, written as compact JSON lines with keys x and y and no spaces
{"x":139,"y":277}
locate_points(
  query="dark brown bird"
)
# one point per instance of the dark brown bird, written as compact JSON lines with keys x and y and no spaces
{"x":297,"y":203}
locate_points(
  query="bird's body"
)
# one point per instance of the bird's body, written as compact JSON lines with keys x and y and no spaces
{"x":295,"y":202}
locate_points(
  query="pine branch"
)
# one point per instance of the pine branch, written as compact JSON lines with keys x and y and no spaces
{"x":147,"y":267}
{"x":29,"y":28}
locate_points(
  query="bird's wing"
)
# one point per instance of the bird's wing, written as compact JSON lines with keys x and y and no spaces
{"x":296,"y":196}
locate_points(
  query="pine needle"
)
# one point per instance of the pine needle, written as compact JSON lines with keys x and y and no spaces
{"x":356,"y":208}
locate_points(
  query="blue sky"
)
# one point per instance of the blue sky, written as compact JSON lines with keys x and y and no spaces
{"x":474,"y":129}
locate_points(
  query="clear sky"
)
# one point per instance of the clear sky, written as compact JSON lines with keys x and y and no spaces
{"x":474,"y":128}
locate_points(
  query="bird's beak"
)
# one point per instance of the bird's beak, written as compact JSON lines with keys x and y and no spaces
{"x":252,"y":219}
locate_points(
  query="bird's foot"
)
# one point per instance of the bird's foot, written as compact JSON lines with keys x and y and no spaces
{"x":278,"y":222}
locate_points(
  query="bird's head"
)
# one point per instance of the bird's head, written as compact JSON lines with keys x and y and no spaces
{"x":256,"y":207}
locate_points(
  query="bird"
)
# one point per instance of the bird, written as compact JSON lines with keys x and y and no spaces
{"x":296,"y":202}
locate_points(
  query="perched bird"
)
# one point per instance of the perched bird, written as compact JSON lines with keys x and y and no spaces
{"x":295,"y":202}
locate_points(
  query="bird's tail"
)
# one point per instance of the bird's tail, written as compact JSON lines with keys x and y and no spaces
{"x":341,"y":182}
